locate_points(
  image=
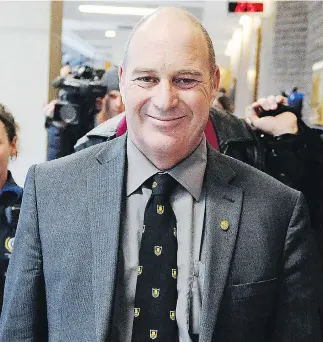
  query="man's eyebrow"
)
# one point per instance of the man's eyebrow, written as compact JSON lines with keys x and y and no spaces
{"x":189,"y":72}
{"x":143,"y":71}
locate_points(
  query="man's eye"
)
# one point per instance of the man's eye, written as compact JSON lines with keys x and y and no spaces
{"x":146,"y":79}
{"x":185,"y":82}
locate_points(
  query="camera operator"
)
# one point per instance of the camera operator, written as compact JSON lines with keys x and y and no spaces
{"x":111,"y":105}
{"x":10,"y":192}
{"x":83,"y":101}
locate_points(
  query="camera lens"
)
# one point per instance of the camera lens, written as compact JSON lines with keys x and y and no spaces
{"x":68,"y":113}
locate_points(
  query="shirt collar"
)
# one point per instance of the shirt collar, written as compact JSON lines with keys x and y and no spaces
{"x":10,"y":185}
{"x":189,"y":172}
{"x":10,"y":191}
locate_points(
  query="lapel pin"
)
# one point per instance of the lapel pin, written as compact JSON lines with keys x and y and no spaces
{"x":224,"y":225}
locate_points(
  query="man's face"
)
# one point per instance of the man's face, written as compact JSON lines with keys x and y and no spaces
{"x":167,"y":91}
{"x":113,"y":104}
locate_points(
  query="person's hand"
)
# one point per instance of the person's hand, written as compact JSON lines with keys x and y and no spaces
{"x":49,"y":108}
{"x":65,"y":71}
{"x":274,"y":125}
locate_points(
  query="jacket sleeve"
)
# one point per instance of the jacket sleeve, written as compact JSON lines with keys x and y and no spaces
{"x":288,"y":156}
{"x":297,"y":161}
{"x":296,"y":316}
{"x":23,"y":317}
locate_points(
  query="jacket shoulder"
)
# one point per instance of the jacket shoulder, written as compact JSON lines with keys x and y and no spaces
{"x":78,"y":161}
{"x":251,"y":179}
{"x":102,"y":132}
{"x":229,"y":127}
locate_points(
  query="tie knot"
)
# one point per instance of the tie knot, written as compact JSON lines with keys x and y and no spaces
{"x":163,"y":184}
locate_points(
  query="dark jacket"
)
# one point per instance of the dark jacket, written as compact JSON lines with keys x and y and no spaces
{"x":295,"y":160}
{"x":10,"y":201}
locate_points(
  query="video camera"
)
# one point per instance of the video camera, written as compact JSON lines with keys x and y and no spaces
{"x":77,"y":98}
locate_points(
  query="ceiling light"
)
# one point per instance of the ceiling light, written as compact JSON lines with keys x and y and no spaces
{"x":245,"y":20}
{"x":141,"y":11}
{"x":110,"y":34}
{"x":234,"y":43}
{"x":317,"y":66}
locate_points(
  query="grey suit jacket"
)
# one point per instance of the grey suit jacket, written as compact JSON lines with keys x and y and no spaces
{"x":260,"y":278}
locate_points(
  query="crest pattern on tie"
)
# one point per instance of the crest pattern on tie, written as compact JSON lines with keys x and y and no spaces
{"x":156,"y":291}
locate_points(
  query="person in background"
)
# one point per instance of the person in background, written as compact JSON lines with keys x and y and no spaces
{"x":232,"y":93}
{"x":55,"y":128}
{"x":295,"y":100}
{"x":111,"y":105}
{"x":216,"y":104}
{"x":224,"y":100}
{"x":283,"y":93}
{"x":107,"y":107}
{"x":10,"y":192}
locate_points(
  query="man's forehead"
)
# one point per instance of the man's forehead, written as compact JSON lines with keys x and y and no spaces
{"x":160,"y":33}
{"x":167,"y":31}
{"x":168,"y":53}
{"x":168,"y":43}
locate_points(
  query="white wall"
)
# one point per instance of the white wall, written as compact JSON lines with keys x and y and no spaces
{"x":119,"y":47}
{"x":243,"y":57}
{"x":266,"y":81}
{"x":243,"y":94}
{"x":24,"y":64}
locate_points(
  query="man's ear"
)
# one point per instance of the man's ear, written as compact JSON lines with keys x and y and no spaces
{"x":215,"y":82}
{"x":217,"y":78}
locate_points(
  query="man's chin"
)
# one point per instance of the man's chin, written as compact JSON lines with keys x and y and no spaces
{"x":166,"y":145}
{"x":162,"y":139}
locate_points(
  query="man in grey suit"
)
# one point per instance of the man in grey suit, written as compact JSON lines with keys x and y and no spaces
{"x":245,"y":257}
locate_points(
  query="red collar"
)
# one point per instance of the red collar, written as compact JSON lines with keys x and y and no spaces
{"x":209,"y":132}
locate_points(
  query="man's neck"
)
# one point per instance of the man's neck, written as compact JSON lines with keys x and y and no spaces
{"x":165,"y":160}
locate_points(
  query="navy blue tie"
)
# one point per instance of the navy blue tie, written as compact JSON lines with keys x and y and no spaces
{"x":156,"y":291}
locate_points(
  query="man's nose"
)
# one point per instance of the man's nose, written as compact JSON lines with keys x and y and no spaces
{"x":165,"y":96}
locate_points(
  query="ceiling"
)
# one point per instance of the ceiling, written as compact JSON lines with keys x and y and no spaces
{"x":84,"y":33}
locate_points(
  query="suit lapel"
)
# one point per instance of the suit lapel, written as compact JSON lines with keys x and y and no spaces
{"x":223,"y":204}
{"x":104,"y":192}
